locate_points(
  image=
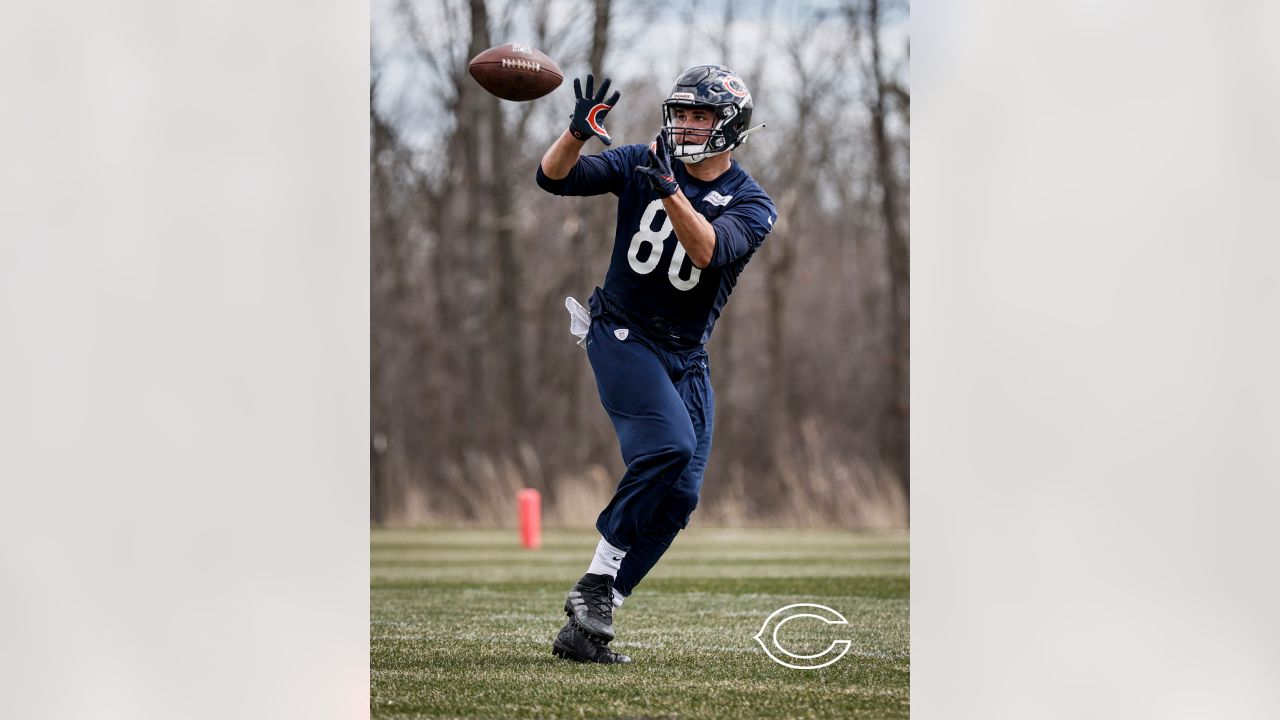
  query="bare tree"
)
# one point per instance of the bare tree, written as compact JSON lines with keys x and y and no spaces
{"x":895,"y":425}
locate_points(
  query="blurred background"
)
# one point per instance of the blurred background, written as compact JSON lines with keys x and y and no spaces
{"x":478,"y":389}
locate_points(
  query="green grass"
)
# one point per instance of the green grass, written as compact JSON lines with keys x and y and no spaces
{"x":462,"y":622}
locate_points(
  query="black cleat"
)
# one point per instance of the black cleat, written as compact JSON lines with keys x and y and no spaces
{"x":573,"y":643}
{"x":590,"y":604}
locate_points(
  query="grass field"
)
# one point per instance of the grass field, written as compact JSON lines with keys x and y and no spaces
{"x":462,"y":622}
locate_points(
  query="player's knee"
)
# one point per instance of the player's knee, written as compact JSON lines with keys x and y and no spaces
{"x":668,"y":457}
{"x":683,"y":447}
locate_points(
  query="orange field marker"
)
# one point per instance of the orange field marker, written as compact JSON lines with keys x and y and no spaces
{"x":529,"y":506}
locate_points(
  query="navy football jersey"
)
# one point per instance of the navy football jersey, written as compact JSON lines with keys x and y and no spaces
{"x":651,"y":282}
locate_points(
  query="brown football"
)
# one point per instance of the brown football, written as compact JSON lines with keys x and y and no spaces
{"x":516,"y":72}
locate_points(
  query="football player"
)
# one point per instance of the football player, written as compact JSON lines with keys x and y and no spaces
{"x":689,"y":220}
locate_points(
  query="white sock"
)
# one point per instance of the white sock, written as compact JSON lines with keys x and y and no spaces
{"x":617,"y":598}
{"x":607,"y":560}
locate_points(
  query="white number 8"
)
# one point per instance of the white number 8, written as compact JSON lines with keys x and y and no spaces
{"x":654,"y":239}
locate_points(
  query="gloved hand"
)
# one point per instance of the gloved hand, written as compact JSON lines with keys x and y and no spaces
{"x":589,"y":112}
{"x":661,"y":178}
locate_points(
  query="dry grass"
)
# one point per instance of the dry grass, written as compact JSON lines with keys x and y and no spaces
{"x":807,"y":478}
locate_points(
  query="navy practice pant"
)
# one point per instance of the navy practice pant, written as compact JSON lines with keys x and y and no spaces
{"x":662,"y":407}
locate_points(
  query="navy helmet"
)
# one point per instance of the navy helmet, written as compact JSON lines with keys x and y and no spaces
{"x":718,"y":89}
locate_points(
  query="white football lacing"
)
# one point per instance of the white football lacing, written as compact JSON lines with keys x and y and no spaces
{"x":519,"y":64}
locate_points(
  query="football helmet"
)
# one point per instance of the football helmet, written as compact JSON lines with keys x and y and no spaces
{"x":715,"y":88}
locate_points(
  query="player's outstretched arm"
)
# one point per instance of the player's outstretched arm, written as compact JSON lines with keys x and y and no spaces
{"x":562,"y":156}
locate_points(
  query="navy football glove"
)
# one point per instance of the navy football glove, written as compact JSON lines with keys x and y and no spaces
{"x":661,"y":178}
{"x":589,"y":112}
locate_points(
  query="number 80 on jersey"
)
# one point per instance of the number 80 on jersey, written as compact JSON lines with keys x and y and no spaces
{"x":654,"y":239}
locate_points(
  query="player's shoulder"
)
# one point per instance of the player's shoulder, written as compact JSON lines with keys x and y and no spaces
{"x":748,"y":191}
{"x":745,"y":183}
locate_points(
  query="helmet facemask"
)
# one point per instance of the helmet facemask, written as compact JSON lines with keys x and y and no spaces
{"x":715,"y":140}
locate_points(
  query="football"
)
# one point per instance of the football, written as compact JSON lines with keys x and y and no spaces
{"x":516,"y":72}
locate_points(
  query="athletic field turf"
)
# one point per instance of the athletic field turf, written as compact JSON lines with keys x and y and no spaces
{"x":462,"y":622}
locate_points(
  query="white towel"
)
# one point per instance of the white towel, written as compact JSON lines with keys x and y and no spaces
{"x":579,"y":320}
